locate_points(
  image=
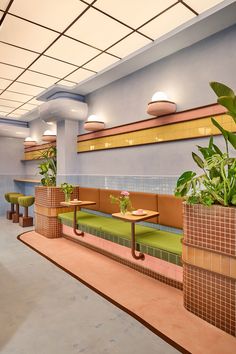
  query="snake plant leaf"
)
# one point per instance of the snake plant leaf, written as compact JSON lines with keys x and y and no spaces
{"x":221,"y":89}
{"x":221,"y":129}
{"x":185,"y":177}
{"x":198,"y":160}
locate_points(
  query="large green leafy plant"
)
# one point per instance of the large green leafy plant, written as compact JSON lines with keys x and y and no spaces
{"x":48,"y":168}
{"x":217,"y":183}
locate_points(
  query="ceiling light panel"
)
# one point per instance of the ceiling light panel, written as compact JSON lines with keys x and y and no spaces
{"x":16,"y":56}
{"x":71,"y":51}
{"x":50,"y":13}
{"x":8,"y":103}
{"x":28,"y":106}
{"x":8,"y":95}
{"x":26,"y":35}
{"x":101,"y":62}
{"x":26,"y":89}
{"x":52,"y":67}
{"x":129,"y":45}
{"x":133,"y":13}
{"x":66,"y":83}
{"x":31,"y":77}
{"x":3,"y":4}
{"x":202,"y":5}
{"x":35,"y":102}
{"x":9,"y":72}
{"x":4,"y":83}
{"x":168,"y":21}
{"x":97,"y":29}
{"x":6,"y":109}
{"x":80,"y":75}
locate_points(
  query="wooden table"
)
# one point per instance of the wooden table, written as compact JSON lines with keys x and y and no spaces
{"x":77,"y":204}
{"x":133,"y":219}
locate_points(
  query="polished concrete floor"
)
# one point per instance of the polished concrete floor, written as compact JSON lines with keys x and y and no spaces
{"x":45,"y":311}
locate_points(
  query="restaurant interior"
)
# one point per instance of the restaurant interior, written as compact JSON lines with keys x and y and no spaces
{"x":117,"y":176}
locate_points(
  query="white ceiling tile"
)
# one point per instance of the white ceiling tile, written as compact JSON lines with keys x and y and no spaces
{"x":52,"y":67}
{"x":26,"y":35}
{"x":71,"y":51}
{"x":26,"y":89}
{"x":129,"y":45}
{"x":6,"y":109}
{"x":33,"y":78}
{"x":8,"y":95}
{"x":3,"y":113}
{"x":97,"y":29}
{"x":28,"y":106}
{"x":132,"y":12}
{"x":102,"y":61}
{"x":14,"y":115}
{"x":168,"y":21}
{"x":1,"y":14}
{"x":35,"y":102}
{"x":9,"y":72}
{"x":20,"y":111}
{"x":202,"y":5}
{"x":55,"y":14}
{"x":8,"y":103}
{"x":3,"y":4}
{"x":4,"y":83}
{"x":80,"y":75}
{"x":66,"y":83}
{"x":16,"y":56}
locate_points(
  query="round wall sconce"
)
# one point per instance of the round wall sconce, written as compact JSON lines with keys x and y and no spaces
{"x":28,"y":142}
{"x":93,"y":124}
{"x":160,"y":105}
{"x":49,"y":136}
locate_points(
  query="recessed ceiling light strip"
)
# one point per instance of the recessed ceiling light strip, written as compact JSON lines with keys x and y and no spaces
{"x":6,"y":12}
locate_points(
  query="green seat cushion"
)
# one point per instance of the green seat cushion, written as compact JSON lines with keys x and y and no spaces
{"x":147,"y":236}
{"x":14,"y":197}
{"x":7,"y":196}
{"x":26,"y":201}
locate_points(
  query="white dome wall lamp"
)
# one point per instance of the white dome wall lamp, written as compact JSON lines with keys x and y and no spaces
{"x":93,"y":123}
{"x":160,"y":105}
{"x":49,"y":136}
{"x":29,"y":142}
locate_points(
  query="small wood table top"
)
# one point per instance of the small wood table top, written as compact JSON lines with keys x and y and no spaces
{"x":79,"y":203}
{"x":136,"y":218}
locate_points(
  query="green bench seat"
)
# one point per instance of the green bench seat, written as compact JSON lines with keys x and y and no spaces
{"x":158,"y":243}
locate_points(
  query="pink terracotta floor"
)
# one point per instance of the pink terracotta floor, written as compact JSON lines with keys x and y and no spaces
{"x":158,"y":304}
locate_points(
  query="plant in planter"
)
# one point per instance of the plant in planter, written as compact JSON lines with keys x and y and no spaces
{"x":67,"y":190}
{"x":48,"y":168}
{"x":209,"y":243}
{"x":123,"y":200}
{"x":217,"y":183}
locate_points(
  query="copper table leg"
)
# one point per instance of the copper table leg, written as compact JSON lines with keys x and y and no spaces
{"x":75,"y":224}
{"x":133,"y":244}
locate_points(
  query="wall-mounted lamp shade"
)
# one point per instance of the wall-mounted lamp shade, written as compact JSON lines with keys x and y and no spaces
{"x":62,"y":109}
{"x":29,"y":142}
{"x":160,"y":105}
{"x":93,"y":123}
{"x":49,"y":136}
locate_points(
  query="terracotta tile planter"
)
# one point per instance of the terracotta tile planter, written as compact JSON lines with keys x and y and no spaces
{"x":209,"y":261}
{"x":47,"y":207}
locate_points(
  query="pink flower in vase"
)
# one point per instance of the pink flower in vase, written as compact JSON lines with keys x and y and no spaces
{"x":125,"y":193}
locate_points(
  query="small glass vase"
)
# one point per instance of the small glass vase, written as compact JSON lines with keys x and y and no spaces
{"x":123,"y":209}
{"x":67,"y":197}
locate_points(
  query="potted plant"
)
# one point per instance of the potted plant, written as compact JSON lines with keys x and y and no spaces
{"x":123,"y":200}
{"x":209,"y":243}
{"x":48,"y":168}
{"x":67,"y":190}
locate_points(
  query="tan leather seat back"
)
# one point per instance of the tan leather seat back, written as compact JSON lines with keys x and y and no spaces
{"x":141,"y":200}
{"x":105,"y":202}
{"x":91,"y":194}
{"x":170,"y":209}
